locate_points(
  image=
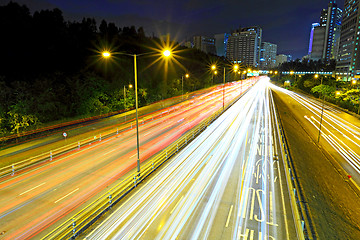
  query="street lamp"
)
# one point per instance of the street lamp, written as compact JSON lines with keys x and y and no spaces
{"x":224,"y":92}
{"x":236,"y":68}
{"x":322,"y":109}
{"x":213,"y":69}
{"x":130,"y":86}
{"x":166,"y":53}
{"x":182,"y":84}
{"x":106,"y":54}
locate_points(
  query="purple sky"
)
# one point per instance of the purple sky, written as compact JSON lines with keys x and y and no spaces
{"x":284,"y":22}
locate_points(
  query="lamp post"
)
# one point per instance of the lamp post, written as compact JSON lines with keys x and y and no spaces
{"x":130,"y":86}
{"x":182,"y":84}
{"x":224,"y":91}
{"x":213,"y":69}
{"x":239,"y":72}
{"x":322,"y":110}
{"x":106,"y":54}
{"x":354,"y":82}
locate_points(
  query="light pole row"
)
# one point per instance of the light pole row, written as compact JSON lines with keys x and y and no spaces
{"x":166,"y":53}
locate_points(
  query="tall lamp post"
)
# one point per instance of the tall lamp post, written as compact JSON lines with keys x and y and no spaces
{"x":182,"y":84}
{"x":166,"y":54}
{"x":354,"y":82}
{"x":213,"y":71}
{"x":130,"y":86}
{"x":236,"y":67}
{"x":322,"y":109}
{"x":224,"y":91}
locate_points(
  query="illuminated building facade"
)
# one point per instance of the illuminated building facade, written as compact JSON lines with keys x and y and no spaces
{"x":244,"y":46}
{"x":268,"y":55}
{"x":348,"y":61}
{"x":325,"y":37}
{"x":205,"y":44}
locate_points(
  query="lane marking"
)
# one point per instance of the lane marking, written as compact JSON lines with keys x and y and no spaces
{"x":177,"y":204}
{"x":133,"y":155}
{"x":66,"y":195}
{"x":32,"y":188}
{"x":283,"y":201}
{"x":229,"y":215}
{"x":109,"y":152}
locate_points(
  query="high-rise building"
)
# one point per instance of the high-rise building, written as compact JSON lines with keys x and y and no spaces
{"x":268,"y":55}
{"x":281,"y":58}
{"x":326,"y":33}
{"x":312,"y":36}
{"x":348,"y":61}
{"x":333,"y":28}
{"x":220,"y":43}
{"x":205,"y":44}
{"x":244,"y":45}
{"x":318,"y":43}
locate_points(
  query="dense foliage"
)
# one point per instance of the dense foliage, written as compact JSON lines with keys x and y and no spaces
{"x":51,"y":69}
{"x":344,"y":94}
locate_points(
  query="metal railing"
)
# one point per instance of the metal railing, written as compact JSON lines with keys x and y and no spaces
{"x":79,"y":222}
{"x":49,"y":156}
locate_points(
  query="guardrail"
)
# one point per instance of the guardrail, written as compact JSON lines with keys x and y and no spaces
{"x":303,"y":223}
{"x":49,"y":156}
{"x":79,"y":222}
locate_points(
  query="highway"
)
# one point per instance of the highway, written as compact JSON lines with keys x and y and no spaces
{"x":226,"y":184}
{"x":323,"y":168}
{"x":340,"y":132}
{"x":38,"y":198}
{"x":53,"y":140}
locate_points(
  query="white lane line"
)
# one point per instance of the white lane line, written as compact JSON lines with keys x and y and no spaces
{"x":177,"y":204}
{"x":66,"y":195}
{"x":228,"y":218}
{"x":109,"y":152}
{"x":32,"y":188}
{"x":283,"y":200}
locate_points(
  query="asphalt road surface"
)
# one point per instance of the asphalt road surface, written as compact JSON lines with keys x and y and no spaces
{"x":226,"y":184}
{"x":323,"y":167}
{"x":38,"y":198}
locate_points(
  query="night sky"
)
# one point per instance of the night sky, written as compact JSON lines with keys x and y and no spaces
{"x":284,"y":22}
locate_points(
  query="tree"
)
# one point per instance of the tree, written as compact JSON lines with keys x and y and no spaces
{"x":19,"y":122}
{"x":324,"y":90}
{"x":352,"y":96}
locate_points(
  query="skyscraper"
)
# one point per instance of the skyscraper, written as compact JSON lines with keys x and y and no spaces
{"x":318,"y":43}
{"x":312,"y":36}
{"x":205,"y":44}
{"x":348,"y":60}
{"x":243,"y":46}
{"x":333,"y":28}
{"x":220,"y":43}
{"x":324,"y":38}
{"x":268,"y":55}
{"x":281,"y":58}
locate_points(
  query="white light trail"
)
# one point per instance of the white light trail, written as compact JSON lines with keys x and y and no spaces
{"x":184,"y":200}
